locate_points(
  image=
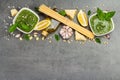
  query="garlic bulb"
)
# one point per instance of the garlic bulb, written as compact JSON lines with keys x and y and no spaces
{"x":66,"y":32}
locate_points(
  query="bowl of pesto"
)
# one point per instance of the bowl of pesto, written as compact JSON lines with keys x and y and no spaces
{"x":101,"y":23}
{"x":26,"y":20}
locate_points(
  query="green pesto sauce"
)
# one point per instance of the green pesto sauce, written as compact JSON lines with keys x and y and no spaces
{"x":100,"y":27}
{"x":27,"y":19}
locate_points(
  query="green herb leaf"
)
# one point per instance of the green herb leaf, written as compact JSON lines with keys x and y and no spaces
{"x":26,"y":37}
{"x":89,"y":13}
{"x":62,"y":12}
{"x":24,"y":26}
{"x":98,"y":40}
{"x":12,"y":28}
{"x":57,"y":37}
{"x":109,"y":15}
{"x":100,"y":14}
{"x":36,"y":9}
{"x":105,"y":16}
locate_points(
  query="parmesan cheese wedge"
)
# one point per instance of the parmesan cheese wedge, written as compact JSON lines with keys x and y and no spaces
{"x":46,"y":10}
{"x":13,"y":12}
{"x":79,"y":36}
{"x":71,"y":13}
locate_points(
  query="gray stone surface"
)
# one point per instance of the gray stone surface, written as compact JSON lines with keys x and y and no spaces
{"x":40,"y":60}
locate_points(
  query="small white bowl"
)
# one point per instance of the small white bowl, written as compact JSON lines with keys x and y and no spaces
{"x":19,"y":13}
{"x":93,"y":30}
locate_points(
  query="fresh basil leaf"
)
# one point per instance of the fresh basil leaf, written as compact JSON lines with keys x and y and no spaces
{"x":109,"y":15}
{"x":57,"y":37}
{"x":98,"y":40}
{"x":26,"y":37}
{"x":62,"y":12}
{"x":89,"y":13}
{"x":25,"y":27}
{"x":105,"y":16}
{"x":12,"y":28}
{"x":100,"y":14}
{"x":36,"y":9}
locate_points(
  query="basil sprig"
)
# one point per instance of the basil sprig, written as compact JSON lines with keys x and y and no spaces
{"x":105,"y":15}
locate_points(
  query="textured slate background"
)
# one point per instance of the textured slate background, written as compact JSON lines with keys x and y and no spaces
{"x":40,"y":60}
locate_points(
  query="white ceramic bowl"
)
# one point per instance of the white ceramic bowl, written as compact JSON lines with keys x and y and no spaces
{"x":19,"y":13}
{"x":100,"y":34}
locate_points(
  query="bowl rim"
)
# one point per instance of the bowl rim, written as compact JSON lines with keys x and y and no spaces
{"x":104,"y":33}
{"x":24,"y":8}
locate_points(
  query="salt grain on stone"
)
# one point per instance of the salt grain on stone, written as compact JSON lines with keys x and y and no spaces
{"x":50,"y":41}
{"x":43,"y":38}
{"x":20,"y":38}
{"x":17,"y":36}
{"x":19,"y":7}
{"x":68,"y":41}
{"x":37,"y":38}
{"x":35,"y":33}
{"x":8,"y":6}
{"x":64,"y":40}
{"x":31,"y":38}
{"x":105,"y":42}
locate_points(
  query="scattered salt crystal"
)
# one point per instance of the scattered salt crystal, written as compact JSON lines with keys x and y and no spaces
{"x":86,"y":6}
{"x":50,"y":41}
{"x":10,"y":24}
{"x":19,"y":7}
{"x":35,"y":35}
{"x":8,"y":6}
{"x":20,"y":38}
{"x":43,"y":38}
{"x":71,"y":40}
{"x":64,"y":40}
{"x":50,"y":37}
{"x":68,"y":41}
{"x":13,"y":6}
{"x":105,"y":42}
{"x":31,"y":38}
{"x":37,"y":38}
{"x":17,"y":36}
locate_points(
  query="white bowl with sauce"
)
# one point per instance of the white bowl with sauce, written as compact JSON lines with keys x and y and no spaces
{"x":26,"y":17}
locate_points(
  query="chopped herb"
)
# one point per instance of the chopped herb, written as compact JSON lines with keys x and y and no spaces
{"x":36,"y":9}
{"x":57,"y":37}
{"x":104,"y":16}
{"x":98,"y":40}
{"x":12,"y":28}
{"x":89,"y":13}
{"x":62,"y":12}
{"x":26,"y":37}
